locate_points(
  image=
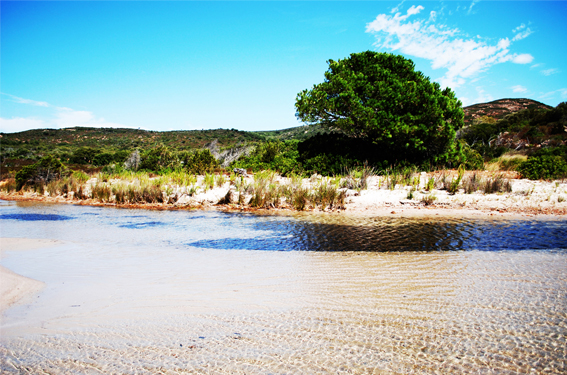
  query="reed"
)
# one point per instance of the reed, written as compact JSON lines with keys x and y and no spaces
{"x":430,"y":184}
{"x":454,"y":185}
{"x":410,"y":192}
{"x":428,"y":199}
{"x":357,"y":178}
{"x":101,"y":191}
{"x":9,"y":185}
{"x":209,"y":181}
{"x":220,"y":180}
{"x":497,"y":184}
{"x":472,"y":183}
{"x":327,"y":195}
{"x":300,"y":198}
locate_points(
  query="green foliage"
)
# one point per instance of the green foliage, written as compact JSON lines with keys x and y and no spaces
{"x":549,"y":151}
{"x":454,"y":185}
{"x":481,"y":132}
{"x":200,"y":162}
{"x":327,"y":164}
{"x":545,"y":167}
{"x":380,"y":97}
{"x":472,"y":160}
{"x":83,"y":155}
{"x":430,"y":184}
{"x":279,"y":156}
{"x":40,"y":173}
{"x":158,"y":158}
{"x":103,"y":158}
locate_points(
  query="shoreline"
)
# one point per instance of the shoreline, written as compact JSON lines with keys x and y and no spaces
{"x":521,"y":198}
{"x":15,"y":288}
{"x":366,"y":203}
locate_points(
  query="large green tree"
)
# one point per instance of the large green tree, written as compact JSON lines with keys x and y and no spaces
{"x":382,"y":98}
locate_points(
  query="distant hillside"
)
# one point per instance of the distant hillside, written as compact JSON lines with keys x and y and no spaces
{"x":128,"y":138}
{"x":498,"y":109}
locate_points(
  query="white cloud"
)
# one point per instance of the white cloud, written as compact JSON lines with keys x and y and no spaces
{"x":483,"y":96}
{"x":59,"y":117}
{"x":462,"y":57}
{"x":67,"y":118}
{"x":473,"y":3}
{"x":466,"y":101}
{"x":19,"y":124}
{"x":519,"y":88}
{"x":27,"y":101}
{"x":549,"y":72}
{"x":524,"y":58}
{"x":521,"y":32}
{"x":562,"y":93}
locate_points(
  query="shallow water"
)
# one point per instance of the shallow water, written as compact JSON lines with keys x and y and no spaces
{"x":133,"y":291}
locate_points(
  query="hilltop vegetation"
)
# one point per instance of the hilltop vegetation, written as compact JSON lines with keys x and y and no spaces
{"x":498,"y":109}
{"x":535,"y":133}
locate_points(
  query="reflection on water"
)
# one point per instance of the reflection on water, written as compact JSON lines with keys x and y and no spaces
{"x":173,"y":292}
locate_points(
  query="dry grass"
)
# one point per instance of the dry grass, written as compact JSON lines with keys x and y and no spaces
{"x":506,"y":162}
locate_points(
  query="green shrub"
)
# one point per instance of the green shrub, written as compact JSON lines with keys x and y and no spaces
{"x":474,"y":160}
{"x":158,"y":158}
{"x":83,"y":155}
{"x":40,"y":173}
{"x":278,"y":156}
{"x":200,"y":162}
{"x":102,"y":159}
{"x":545,"y":167}
{"x":454,"y":185}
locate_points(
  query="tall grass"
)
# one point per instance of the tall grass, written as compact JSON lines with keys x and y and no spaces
{"x":506,"y":162}
{"x":497,"y":184}
{"x":327,"y":195}
{"x":357,"y":178}
{"x":472,"y":183}
{"x":454,"y":185}
{"x":9,"y":185}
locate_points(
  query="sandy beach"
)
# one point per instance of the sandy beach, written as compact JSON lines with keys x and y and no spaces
{"x":16,"y":288}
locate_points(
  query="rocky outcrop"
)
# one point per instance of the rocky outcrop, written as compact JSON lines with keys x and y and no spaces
{"x":225,"y":157}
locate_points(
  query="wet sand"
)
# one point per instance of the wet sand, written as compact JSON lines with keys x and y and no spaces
{"x":250,"y":312}
{"x":16,"y":288}
{"x":145,"y":292}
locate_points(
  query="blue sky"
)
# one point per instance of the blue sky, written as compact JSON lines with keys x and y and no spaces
{"x":208,"y":65}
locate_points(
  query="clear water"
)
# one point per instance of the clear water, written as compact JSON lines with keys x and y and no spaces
{"x":134,"y":291}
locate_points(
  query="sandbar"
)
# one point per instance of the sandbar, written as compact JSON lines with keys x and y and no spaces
{"x":15,"y":288}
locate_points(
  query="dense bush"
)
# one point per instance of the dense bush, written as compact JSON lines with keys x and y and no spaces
{"x":104,"y":158}
{"x":544,"y":167}
{"x":200,"y":162}
{"x":472,"y":160}
{"x":158,"y":158}
{"x":83,"y":155}
{"x":279,"y":156}
{"x":42,"y":172}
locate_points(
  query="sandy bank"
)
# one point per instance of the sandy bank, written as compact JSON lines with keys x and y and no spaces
{"x":16,"y":288}
{"x":527,"y":198}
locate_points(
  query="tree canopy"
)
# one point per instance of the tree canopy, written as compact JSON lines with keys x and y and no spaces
{"x":380,"y":97}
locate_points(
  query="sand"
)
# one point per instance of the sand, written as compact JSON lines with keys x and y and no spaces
{"x":527,"y":198}
{"x":16,"y":288}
